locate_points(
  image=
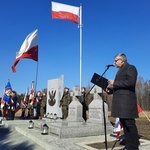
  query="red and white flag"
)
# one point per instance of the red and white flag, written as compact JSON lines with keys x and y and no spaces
{"x":117,"y":128}
{"x":29,"y":49}
{"x":63,"y":11}
{"x":26,"y":96}
{"x":31,"y":97}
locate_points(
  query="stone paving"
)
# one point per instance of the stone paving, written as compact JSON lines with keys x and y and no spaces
{"x":53,"y":142}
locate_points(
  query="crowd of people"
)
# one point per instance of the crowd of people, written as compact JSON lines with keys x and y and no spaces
{"x":9,"y":108}
{"x":9,"y":103}
{"x":34,"y":107}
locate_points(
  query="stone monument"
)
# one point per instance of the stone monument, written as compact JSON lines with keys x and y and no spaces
{"x":96,"y":114}
{"x":74,"y":125}
{"x":54,"y":94}
{"x":75,"y":107}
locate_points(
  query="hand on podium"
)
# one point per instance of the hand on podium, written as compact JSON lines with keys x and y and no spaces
{"x":109,"y":89}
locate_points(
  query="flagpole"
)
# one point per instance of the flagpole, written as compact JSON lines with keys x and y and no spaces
{"x":36,"y":77}
{"x":80,"y":25}
{"x":146,"y":116}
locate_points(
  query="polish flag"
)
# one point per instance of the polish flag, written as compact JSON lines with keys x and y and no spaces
{"x":29,"y":49}
{"x":26,"y":97}
{"x":63,"y":11}
{"x":117,"y":128}
{"x":31,"y":97}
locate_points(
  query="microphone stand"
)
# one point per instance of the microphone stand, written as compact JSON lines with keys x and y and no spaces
{"x":107,"y":67}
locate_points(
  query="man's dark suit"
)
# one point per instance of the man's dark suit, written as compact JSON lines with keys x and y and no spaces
{"x":124,"y":104}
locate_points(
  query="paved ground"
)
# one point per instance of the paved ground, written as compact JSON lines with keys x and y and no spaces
{"x":10,"y":139}
{"x":15,"y":135}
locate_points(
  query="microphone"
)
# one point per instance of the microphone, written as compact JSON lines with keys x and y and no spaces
{"x":110,"y":65}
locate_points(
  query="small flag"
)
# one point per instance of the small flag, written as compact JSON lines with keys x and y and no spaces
{"x":63,"y":11}
{"x":117,"y":128}
{"x":8,"y":86}
{"x":7,"y":93}
{"x":31,"y":97}
{"x":26,"y":97}
{"x":29,"y":49}
{"x":139,"y":108}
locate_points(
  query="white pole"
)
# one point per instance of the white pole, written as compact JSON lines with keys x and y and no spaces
{"x":80,"y":25}
{"x":146,"y":116}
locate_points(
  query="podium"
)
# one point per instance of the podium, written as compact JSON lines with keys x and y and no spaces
{"x":103,"y":83}
{"x":100,"y":81}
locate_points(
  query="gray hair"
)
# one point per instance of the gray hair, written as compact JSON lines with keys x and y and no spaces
{"x":121,"y":56}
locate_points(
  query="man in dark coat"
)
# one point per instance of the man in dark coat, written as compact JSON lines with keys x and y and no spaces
{"x":124,"y":102}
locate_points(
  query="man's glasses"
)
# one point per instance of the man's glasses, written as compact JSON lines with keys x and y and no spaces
{"x":117,"y":60}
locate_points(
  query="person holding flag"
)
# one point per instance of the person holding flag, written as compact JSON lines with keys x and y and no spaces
{"x":24,"y":103}
{"x":15,"y":106}
{"x":8,"y":101}
{"x":31,"y":102}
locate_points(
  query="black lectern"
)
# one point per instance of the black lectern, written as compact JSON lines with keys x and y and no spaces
{"x":100,"y":81}
{"x":103,"y":83}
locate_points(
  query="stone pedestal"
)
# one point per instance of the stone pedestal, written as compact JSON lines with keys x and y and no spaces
{"x":74,"y":125}
{"x":96,"y":114}
{"x":65,"y":129}
{"x":97,"y":109}
{"x":75,"y":107}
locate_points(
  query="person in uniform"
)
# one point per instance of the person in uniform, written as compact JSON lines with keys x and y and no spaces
{"x":40,"y":105}
{"x":23,"y":108}
{"x":43,"y":105}
{"x":64,"y":102}
{"x":85,"y":101}
{"x":14,"y":104}
{"x":24,"y":105}
{"x":30,"y":107}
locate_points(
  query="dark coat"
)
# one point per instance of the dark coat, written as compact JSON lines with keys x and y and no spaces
{"x":124,"y":103}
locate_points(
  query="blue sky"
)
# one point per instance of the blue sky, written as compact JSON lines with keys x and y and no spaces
{"x":109,"y":27}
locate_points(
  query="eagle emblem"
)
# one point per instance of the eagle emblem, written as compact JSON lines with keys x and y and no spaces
{"x":52,"y":99}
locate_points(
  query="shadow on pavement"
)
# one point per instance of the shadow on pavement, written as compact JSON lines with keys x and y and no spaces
{"x":10,"y":139}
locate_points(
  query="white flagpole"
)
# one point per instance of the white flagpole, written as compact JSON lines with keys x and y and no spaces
{"x":80,"y":26}
{"x":146,"y":115}
{"x":36,"y":78}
